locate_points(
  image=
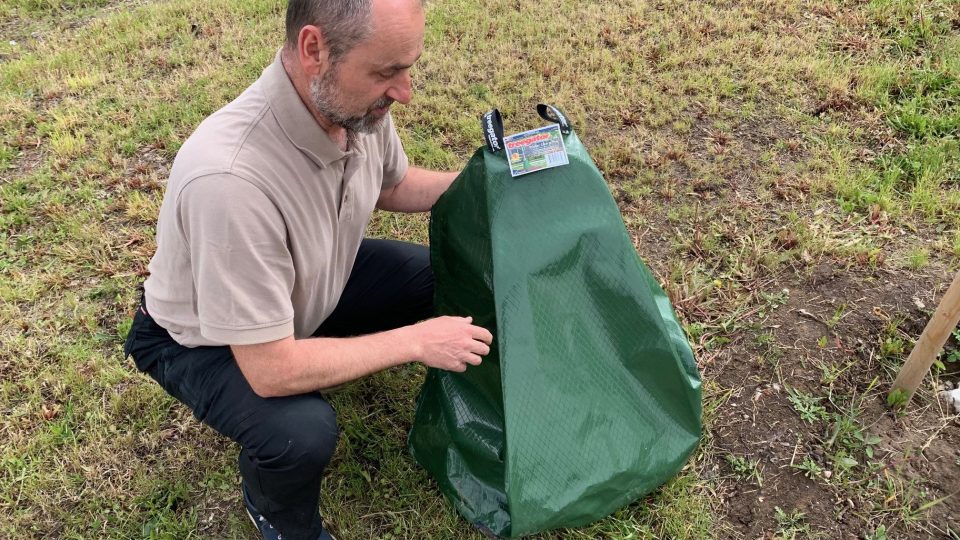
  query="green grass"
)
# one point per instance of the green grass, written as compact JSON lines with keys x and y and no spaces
{"x":913,"y":79}
{"x":701,"y":115}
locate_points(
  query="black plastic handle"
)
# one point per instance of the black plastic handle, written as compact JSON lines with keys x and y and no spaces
{"x":553,"y":114}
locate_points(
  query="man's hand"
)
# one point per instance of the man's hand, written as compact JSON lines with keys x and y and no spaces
{"x":451,"y":343}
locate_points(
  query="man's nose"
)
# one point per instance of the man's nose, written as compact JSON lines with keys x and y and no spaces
{"x":402,"y":90}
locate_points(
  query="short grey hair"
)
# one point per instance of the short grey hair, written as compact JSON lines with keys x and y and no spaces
{"x":344,"y":23}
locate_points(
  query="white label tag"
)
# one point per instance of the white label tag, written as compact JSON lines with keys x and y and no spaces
{"x":535,"y":150}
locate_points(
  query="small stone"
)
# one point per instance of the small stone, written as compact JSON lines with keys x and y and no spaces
{"x":917,"y":302}
{"x":13,"y":43}
{"x":776,"y":387}
{"x":827,"y":474}
{"x":947,"y":385}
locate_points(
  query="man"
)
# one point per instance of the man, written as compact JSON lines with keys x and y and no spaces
{"x":262,"y":275}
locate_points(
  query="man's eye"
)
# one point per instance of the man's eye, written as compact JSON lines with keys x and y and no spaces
{"x":387,"y":74}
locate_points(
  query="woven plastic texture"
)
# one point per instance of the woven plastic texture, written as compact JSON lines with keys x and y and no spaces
{"x":590,"y":397}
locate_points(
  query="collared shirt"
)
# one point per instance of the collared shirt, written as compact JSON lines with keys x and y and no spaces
{"x":262,"y":219}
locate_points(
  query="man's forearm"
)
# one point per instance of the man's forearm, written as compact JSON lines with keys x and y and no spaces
{"x":290,"y":366}
{"x":418,"y":191}
{"x":296,"y":366}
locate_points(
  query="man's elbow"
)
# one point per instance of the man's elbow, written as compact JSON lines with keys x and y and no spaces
{"x":262,"y":383}
{"x":265,"y":389}
{"x":259,"y":369}
{"x":385,"y":201}
{"x":390,"y":205}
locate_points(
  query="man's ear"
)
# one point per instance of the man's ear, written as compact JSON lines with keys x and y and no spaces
{"x":312,"y":50}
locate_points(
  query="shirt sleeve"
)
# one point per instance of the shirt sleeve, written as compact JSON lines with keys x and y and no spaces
{"x":395,"y":162}
{"x":242,"y":268}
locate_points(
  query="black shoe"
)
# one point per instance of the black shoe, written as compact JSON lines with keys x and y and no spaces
{"x":266,"y":529}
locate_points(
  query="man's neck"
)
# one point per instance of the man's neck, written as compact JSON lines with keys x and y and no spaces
{"x":338,"y":134}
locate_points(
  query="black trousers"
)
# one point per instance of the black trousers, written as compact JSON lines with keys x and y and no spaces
{"x":287,"y":442}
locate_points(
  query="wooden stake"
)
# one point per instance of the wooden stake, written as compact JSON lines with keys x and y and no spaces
{"x":931,"y":341}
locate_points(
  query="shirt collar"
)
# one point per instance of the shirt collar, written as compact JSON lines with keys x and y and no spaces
{"x":295,"y":119}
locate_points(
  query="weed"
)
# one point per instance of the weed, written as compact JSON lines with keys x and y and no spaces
{"x":838,"y":314}
{"x":764,"y":339}
{"x":830,"y":372}
{"x":949,"y":355}
{"x":809,"y":467}
{"x":807,"y":406}
{"x":790,"y":525}
{"x":745,"y":469}
{"x":918,"y":258}
{"x":893,"y":344}
{"x":880,"y":533}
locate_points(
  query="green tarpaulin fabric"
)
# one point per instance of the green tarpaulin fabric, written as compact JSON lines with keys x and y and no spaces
{"x":590,"y":396}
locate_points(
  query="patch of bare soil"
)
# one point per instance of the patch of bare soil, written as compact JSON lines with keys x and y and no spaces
{"x":827,"y":344}
{"x":29,"y":159}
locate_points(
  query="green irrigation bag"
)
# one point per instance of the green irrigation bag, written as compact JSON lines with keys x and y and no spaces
{"x":590,"y":397}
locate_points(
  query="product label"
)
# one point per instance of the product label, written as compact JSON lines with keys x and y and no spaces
{"x":535,"y":150}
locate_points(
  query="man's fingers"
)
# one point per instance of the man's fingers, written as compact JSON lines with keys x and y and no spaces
{"x":478,"y":347}
{"x":473,"y":360}
{"x":480,"y":333}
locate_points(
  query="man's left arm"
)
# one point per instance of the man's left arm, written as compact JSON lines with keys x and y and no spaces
{"x":417,"y":192}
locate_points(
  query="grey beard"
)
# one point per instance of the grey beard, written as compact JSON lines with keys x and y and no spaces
{"x":324,"y":93}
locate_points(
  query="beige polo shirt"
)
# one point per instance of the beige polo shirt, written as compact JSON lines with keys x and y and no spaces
{"x":262,"y":219}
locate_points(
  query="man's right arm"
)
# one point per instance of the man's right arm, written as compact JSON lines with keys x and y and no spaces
{"x":290,"y":366}
{"x":232,"y":229}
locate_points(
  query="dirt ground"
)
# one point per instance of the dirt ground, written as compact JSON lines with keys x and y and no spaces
{"x":759,"y":421}
{"x":845,"y":326}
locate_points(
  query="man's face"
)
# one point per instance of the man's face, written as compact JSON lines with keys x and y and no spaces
{"x":349,"y":111}
{"x":357,"y":90}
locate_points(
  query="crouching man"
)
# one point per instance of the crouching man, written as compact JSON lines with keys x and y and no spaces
{"x":263,"y":290}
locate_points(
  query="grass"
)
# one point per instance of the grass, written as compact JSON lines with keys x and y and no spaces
{"x":912,"y":76}
{"x":747,"y":145}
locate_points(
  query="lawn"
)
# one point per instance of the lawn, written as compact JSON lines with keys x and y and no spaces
{"x":790,"y":171}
